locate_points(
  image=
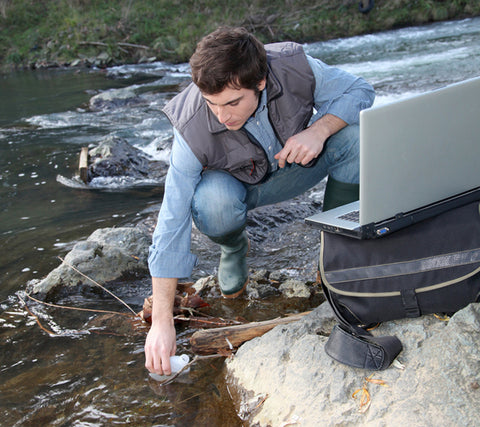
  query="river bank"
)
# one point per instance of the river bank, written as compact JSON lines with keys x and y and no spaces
{"x":101,"y":33}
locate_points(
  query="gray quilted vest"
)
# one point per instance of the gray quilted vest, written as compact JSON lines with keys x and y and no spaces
{"x":290,"y":89}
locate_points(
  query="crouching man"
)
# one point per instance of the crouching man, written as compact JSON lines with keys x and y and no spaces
{"x":258,"y":125}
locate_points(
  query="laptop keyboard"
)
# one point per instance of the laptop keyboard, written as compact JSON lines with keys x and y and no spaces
{"x":353,"y":216}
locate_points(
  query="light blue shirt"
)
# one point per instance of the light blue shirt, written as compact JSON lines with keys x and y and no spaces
{"x":336,"y":92}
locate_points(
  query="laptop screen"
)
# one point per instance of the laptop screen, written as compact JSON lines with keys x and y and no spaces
{"x":419,"y":150}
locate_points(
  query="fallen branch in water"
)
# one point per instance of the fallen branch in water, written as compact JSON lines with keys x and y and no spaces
{"x":56,"y":334}
{"x":76,"y":308}
{"x":99,"y":285}
{"x":66,"y":307}
{"x":220,"y":340}
{"x":49,"y":332}
{"x":185,"y":303}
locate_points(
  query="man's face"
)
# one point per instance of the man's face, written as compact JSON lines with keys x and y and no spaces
{"x":233,"y":107}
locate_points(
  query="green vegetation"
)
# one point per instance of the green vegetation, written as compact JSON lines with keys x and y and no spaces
{"x":42,"y":33}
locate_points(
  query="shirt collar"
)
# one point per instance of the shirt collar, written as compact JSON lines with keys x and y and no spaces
{"x":262,"y":105}
{"x":263,"y":102}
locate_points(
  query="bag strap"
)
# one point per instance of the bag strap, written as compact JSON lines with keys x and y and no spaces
{"x":372,"y":353}
{"x":354,"y":346}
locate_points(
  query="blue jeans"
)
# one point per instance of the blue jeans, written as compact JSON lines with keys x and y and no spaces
{"x":221,"y":202}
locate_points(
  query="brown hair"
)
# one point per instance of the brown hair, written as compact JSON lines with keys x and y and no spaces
{"x":228,"y":57}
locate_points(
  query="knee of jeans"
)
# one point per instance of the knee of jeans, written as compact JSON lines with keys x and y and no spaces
{"x":343,"y":154}
{"x":347,"y":139}
{"x":344,"y":145}
{"x":219,"y":208}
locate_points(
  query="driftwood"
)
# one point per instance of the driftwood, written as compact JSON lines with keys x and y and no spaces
{"x":83,"y":164}
{"x":223,"y":340}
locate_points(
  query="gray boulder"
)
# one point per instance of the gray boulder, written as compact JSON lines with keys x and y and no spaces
{"x":115,"y":157}
{"x":106,"y":255}
{"x":114,"y":98}
{"x":286,"y":378}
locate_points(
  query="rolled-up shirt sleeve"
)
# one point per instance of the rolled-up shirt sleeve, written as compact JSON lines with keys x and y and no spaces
{"x":339,"y":93}
{"x":169,"y":254}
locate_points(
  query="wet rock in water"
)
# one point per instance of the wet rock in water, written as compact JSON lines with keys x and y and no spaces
{"x":114,"y":98}
{"x":115,"y":157}
{"x":106,"y":255}
{"x":304,"y":386}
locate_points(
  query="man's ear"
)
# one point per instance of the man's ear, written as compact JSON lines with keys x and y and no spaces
{"x":262,"y":84}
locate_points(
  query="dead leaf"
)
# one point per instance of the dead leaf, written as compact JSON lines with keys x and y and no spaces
{"x":364,"y":397}
{"x":376,"y":381}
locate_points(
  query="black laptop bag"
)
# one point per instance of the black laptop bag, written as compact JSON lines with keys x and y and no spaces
{"x":430,"y":267}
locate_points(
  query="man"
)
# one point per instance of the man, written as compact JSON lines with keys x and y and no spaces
{"x":258,"y":125}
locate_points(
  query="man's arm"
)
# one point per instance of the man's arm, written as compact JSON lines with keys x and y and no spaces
{"x":339,"y":93}
{"x":161,"y":339}
{"x":170,"y":253}
{"x":338,"y":99}
{"x":308,"y":144}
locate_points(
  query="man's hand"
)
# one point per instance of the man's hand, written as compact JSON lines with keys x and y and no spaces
{"x":308,"y":144}
{"x":159,"y":346}
{"x":301,"y":148}
{"x":160,"y":343}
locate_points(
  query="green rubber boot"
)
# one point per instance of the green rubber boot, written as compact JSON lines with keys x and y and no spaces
{"x":339,"y":193}
{"x":233,"y":270}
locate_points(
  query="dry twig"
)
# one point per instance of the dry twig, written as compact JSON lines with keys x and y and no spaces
{"x":66,"y":307}
{"x":49,"y":332}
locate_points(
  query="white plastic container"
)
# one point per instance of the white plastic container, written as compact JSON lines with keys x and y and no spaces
{"x":176,"y":363}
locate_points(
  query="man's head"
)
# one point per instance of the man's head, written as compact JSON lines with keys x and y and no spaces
{"x":229,"y":67}
{"x":228,"y":57}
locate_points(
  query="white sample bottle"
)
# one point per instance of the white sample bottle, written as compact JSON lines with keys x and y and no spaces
{"x":176,"y":364}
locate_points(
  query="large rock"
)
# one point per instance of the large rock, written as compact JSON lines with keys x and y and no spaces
{"x":286,"y":377}
{"x":115,"y":157}
{"x":114,"y":98}
{"x":106,"y":255}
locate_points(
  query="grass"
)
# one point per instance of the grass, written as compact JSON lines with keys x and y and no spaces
{"x":35,"y":33}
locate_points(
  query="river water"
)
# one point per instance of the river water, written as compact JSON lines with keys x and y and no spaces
{"x":87,"y":375}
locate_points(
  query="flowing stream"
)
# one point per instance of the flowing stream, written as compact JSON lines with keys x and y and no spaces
{"x":87,"y":375}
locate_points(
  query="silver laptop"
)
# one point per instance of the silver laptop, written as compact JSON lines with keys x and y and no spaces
{"x":418,"y":157}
